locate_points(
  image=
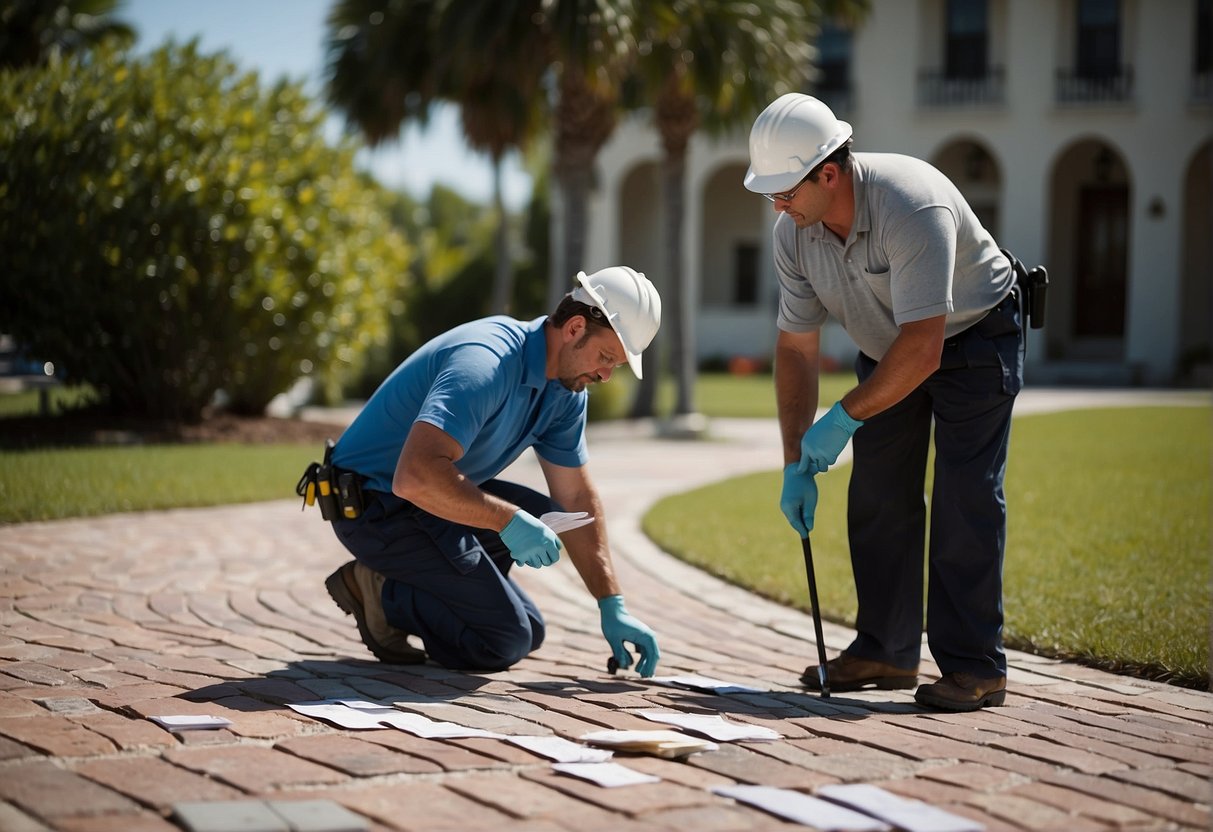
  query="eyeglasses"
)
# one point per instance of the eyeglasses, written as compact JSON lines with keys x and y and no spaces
{"x":788,"y":196}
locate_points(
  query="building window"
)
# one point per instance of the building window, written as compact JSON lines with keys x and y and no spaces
{"x":967,"y":34}
{"x":1098,"y":53}
{"x":1202,"y":52}
{"x":1098,"y":76}
{"x":965,"y":78}
{"x":1204,"y":36}
{"x":745,"y":274}
{"x":834,"y":66}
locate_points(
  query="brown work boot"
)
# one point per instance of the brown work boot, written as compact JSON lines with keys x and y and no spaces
{"x":847,"y":673}
{"x":357,"y":591}
{"x":963,"y":692}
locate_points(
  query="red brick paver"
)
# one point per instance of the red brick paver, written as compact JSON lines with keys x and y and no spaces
{"x":107,"y":621}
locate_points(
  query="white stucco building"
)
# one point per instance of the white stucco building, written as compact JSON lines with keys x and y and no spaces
{"x":1080,"y":130}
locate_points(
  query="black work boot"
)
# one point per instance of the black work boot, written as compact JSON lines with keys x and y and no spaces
{"x":357,"y":591}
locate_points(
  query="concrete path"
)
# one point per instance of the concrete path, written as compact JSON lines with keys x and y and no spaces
{"x":106,"y":622}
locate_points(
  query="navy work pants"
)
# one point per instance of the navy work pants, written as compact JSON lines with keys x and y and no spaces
{"x":969,"y":400}
{"x":449,"y":584}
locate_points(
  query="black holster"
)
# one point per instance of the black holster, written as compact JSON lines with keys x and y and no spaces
{"x":337,"y":491}
{"x":1033,"y":287}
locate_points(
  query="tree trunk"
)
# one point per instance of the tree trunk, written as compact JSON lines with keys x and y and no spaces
{"x":503,"y":274}
{"x":677,"y":119}
{"x":585,"y":119}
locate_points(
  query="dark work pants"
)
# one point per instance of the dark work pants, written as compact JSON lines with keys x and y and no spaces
{"x":449,"y":584}
{"x":969,"y":399}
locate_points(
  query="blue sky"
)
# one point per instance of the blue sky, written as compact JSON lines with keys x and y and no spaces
{"x":286,"y":37}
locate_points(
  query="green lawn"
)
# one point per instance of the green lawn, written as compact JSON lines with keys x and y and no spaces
{"x":85,"y":482}
{"x":1107,"y":554}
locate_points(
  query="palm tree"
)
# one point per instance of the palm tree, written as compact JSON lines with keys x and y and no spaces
{"x":713,"y":64}
{"x":31,"y":31}
{"x":496,"y":87}
{"x":500,"y":61}
{"x":389,"y":62}
{"x":591,"y":43}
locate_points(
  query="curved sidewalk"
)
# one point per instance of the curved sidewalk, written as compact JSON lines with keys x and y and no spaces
{"x":105,"y":622}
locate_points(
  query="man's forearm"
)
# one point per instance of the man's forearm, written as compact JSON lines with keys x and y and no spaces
{"x":911,"y":359}
{"x":796,"y":392}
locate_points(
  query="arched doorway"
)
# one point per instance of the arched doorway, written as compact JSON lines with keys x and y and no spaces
{"x":975,"y":171}
{"x":1090,"y":199}
{"x":736,"y":305}
{"x":1196,"y":288}
{"x":640,"y":248}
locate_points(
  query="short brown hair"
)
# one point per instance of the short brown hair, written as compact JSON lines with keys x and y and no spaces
{"x":569,"y":308}
{"x":840,"y":157}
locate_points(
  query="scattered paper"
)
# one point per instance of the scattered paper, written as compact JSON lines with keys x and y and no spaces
{"x":362,"y":705}
{"x":801,"y":808}
{"x":667,"y":744}
{"x":358,"y":714}
{"x":607,"y":775}
{"x":431,"y":729}
{"x":910,"y":815}
{"x":713,"y":726}
{"x":705,"y":683}
{"x":353,"y":718}
{"x":563,"y":521}
{"x":198,"y":722}
{"x":561,"y":750}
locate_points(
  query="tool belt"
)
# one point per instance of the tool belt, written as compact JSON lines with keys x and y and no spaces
{"x":338,"y":492}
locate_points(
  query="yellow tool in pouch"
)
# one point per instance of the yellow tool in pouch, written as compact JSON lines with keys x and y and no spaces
{"x":339,"y":493}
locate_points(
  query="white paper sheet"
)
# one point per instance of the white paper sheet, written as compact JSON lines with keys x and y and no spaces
{"x":801,"y":808}
{"x":705,"y":683}
{"x":713,"y":725}
{"x":910,"y":815}
{"x":561,"y":750}
{"x":358,"y":714}
{"x":330,"y":711}
{"x":431,"y":729}
{"x":607,"y":775}
{"x":563,"y":521}
{"x":362,"y":705}
{"x":190,"y":722}
{"x":667,"y":744}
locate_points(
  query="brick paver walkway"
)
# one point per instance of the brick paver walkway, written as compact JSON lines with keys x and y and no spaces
{"x":105,"y":622}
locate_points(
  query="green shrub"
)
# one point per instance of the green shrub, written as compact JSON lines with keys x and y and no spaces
{"x":171,"y":229}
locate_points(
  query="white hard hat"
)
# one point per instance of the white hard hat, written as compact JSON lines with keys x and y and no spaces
{"x":790,"y":138}
{"x":631,"y":305}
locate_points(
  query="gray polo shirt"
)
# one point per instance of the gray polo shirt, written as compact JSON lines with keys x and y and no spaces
{"x":916,"y":250}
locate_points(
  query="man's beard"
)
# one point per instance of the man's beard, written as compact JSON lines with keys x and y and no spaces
{"x":579,"y":383}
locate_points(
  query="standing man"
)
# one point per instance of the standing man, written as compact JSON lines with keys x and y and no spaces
{"x":436,"y":535}
{"x":888,"y":246}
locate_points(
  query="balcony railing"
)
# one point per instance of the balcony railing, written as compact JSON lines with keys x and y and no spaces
{"x":937,"y":89}
{"x":1115,"y":87}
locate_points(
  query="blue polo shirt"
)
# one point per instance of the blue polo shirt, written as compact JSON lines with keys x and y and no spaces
{"x":484,"y":383}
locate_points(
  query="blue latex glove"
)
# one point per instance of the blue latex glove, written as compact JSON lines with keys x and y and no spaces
{"x":619,"y":626}
{"x":798,"y":500}
{"x":530,"y":541}
{"x":825,"y":439}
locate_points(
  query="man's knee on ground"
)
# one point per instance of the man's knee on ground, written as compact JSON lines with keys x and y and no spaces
{"x":502,"y":649}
